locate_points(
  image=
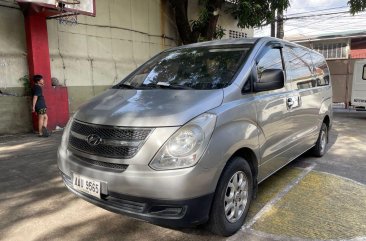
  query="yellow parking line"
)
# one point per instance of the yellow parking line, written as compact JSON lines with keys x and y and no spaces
{"x":268,"y":207}
{"x":321,"y":207}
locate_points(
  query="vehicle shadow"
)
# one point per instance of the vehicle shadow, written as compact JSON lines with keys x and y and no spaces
{"x":35,"y":204}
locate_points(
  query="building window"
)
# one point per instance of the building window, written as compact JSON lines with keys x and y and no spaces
{"x":332,"y":50}
{"x":237,"y":34}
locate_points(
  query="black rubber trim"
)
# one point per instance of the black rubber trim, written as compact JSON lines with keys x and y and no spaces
{"x":193,"y":211}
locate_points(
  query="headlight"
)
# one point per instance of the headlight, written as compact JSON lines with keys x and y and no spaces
{"x":66,"y":133}
{"x":185,"y":147}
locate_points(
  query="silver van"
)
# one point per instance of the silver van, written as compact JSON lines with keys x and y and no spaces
{"x":187,"y":137}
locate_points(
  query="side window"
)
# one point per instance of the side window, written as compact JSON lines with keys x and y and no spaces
{"x":270,"y":60}
{"x":299,"y":68}
{"x":321,"y":70}
{"x":364,"y":72}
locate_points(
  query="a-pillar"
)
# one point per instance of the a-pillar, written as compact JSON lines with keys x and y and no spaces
{"x":39,"y":63}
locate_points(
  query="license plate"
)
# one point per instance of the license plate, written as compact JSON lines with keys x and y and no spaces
{"x":86,"y":185}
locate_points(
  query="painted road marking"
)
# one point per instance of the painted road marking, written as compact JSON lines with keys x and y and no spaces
{"x":247,"y":225}
{"x":314,"y":206}
{"x":321,"y":207}
{"x":278,"y":197}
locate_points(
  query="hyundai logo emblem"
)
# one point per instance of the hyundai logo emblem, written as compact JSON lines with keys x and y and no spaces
{"x":94,"y":140}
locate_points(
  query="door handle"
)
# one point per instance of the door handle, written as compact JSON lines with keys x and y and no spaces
{"x":293,"y":102}
{"x":290,"y":102}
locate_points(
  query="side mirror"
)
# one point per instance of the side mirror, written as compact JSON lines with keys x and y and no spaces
{"x":270,"y":79}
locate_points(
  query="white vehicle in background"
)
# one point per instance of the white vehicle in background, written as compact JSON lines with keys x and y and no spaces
{"x":358,"y":96}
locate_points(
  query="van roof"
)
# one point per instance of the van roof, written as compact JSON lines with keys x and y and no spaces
{"x":239,"y":41}
{"x":234,"y":41}
{"x":221,"y":42}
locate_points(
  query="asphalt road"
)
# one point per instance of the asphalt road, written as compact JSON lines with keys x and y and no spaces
{"x":310,"y":199}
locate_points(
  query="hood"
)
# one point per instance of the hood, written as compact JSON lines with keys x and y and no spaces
{"x":148,"y":108}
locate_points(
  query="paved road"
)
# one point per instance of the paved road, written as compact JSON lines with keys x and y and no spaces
{"x":310,"y":199}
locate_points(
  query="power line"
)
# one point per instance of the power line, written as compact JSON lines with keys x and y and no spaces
{"x":315,"y":15}
{"x":321,"y":10}
{"x":324,"y":20}
{"x":307,"y":33}
{"x":318,"y":21}
{"x":354,"y":21}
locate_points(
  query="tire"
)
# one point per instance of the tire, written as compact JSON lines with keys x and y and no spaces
{"x":227,"y":223}
{"x":320,"y":146}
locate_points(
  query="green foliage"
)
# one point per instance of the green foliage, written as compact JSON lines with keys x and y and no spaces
{"x":199,"y":24}
{"x":356,"y":6}
{"x":249,"y":13}
{"x":219,"y":32}
{"x":256,"y":13}
{"x":26,"y":84}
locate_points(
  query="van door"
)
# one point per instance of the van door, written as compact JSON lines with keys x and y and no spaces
{"x":274,"y":116}
{"x":300,"y":72}
{"x":358,"y":97}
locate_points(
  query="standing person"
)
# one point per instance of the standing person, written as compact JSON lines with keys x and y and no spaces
{"x":39,"y":105}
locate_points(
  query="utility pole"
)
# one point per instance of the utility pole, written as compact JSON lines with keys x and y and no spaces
{"x":280,"y":31}
{"x":273,"y":24}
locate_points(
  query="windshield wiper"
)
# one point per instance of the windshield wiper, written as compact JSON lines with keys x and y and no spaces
{"x":125,"y":86}
{"x":165,"y":85}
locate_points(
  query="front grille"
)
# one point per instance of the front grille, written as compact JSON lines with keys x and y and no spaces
{"x":124,"y":149}
{"x":110,"y":132}
{"x":118,"y":167}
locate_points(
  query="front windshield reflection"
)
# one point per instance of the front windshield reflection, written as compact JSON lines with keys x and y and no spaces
{"x":196,"y":68}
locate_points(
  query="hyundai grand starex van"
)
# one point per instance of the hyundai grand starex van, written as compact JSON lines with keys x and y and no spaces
{"x":187,"y":137}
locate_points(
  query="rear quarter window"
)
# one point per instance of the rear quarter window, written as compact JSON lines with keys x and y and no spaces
{"x":321,"y":70}
{"x":298,"y":67}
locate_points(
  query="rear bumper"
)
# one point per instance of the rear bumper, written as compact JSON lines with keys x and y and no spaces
{"x":170,"y":213}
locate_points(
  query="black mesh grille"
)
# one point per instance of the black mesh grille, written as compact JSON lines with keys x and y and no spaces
{"x":111,"y":133}
{"x":119,"y":167}
{"x":107,"y":133}
{"x":103,"y":150}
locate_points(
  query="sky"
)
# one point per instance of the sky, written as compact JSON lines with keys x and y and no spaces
{"x":318,"y":25}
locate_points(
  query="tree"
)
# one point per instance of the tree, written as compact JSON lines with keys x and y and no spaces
{"x":356,"y":6}
{"x":249,"y":13}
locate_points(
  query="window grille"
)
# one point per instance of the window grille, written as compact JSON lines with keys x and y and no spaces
{"x":332,"y":50}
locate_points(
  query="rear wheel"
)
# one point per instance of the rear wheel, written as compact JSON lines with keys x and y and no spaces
{"x":321,"y":144}
{"x":232,"y":198}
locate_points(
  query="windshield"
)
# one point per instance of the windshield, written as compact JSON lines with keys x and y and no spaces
{"x":189,"y":68}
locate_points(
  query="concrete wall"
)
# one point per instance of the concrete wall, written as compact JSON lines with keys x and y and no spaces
{"x":88,"y":57}
{"x":14,"y":110}
{"x":100,"y":51}
{"x":13,"y":53}
{"x":15,"y":115}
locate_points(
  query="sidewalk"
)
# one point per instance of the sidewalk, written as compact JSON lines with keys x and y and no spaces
{"x":326,"y":201}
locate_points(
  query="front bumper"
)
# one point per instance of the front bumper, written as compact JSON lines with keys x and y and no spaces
{"x":170,"y":213}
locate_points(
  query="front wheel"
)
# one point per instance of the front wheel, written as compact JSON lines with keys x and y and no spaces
{"x":232,"y":198}
{"x":320,"y":145}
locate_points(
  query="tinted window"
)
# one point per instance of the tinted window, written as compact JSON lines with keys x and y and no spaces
{"x":321,"y":70}
{"x":270,"y":60}
{"x":298,"y":67}
{"x":197,"y":68}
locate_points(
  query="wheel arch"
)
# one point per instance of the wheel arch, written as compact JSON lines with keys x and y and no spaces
{"x":250,"y":157}
{"x":326,"y":120}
